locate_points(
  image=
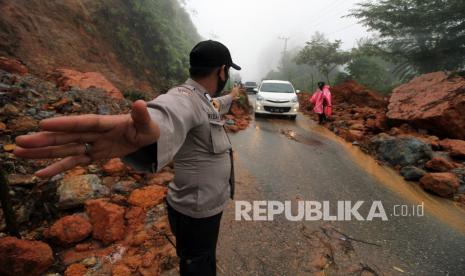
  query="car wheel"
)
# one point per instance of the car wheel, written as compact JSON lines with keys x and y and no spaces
{"x":293,"y":117}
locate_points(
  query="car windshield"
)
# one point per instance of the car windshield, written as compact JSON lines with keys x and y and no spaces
{"x":250,"y":84}
{"x":277,"y":87}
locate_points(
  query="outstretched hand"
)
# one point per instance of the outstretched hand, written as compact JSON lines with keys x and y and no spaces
{"x":109,"y":136}
{"x":235,"y":92}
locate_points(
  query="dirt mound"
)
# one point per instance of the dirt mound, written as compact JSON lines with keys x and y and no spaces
{"x":434,"y":101}
{"x":67,"y":78}
{"x":352,"y":92}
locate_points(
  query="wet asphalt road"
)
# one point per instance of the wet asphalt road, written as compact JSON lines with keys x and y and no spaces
{"x":310,"y":164}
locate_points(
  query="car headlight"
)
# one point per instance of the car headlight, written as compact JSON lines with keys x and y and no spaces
{"x":260,"y":98}
{"x":295,"y":99}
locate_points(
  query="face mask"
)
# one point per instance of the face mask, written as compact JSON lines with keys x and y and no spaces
{"x":221,"y":84}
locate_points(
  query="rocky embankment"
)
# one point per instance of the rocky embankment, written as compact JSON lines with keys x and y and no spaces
{"x":102,"y":219}
{"x":239,"y":117}
{"x":418,"y":130}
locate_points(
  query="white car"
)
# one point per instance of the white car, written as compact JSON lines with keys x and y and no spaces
{"x":278,"y":98}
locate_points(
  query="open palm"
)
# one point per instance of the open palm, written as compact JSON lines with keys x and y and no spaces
{"x":110,"y":136}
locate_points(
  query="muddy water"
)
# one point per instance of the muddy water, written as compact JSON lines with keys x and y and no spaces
{"x":444,"y":209}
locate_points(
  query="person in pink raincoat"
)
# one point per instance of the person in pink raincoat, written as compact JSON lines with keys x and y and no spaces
{"x":321,"y":101}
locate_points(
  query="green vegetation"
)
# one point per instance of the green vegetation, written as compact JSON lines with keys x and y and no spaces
{"x":419,"y":36}
{"x":153,"y":37}
{"x":134,"y":95}
{"x":322,"y":54}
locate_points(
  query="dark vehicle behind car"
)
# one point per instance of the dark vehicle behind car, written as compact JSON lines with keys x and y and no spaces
{"x":250,"y":86}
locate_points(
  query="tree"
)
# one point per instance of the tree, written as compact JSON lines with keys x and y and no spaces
{"x":323,"y":54}
{"x":369,"y":67}
{"x":424,"y":36}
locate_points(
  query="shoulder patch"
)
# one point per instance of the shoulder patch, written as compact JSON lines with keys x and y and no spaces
{"x":184,"y":91}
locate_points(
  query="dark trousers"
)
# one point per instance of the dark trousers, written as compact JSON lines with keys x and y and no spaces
{"x":196,"y":240}
{"x":321,"y":118}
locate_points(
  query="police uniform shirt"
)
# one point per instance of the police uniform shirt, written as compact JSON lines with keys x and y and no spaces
{"x":191,"y":134}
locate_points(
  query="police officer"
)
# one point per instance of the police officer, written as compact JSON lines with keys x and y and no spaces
{"x":184,"y":126}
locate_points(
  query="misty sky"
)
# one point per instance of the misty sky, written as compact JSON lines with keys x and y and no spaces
{"x":251,"y":28}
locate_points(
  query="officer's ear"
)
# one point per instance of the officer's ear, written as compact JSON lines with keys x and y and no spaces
{"x":222,"y":73}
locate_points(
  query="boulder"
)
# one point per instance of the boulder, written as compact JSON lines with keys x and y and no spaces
{"x":434,"y":102}
{"x":439,"y":164}
{"x":114,"y":167}
{"x":22,"y":257}
{"x":161,"y":178}
{"x":442,"y":184}
{"x":412,"y":173}
{"x":67,"y":78}
{"x":76,"y":270}
{"x":403,"y":151}
{"x":74,"y":191}
{"x":107,"y":220}
{"x":22,"y":124}
{"x":9,"y":110}
{"x":148,"y":196}
{"x":121,"y":270}
{"x":70,"y":229}
{"x":13,"y":66}
{"x":124,"y":187}
{"x":456,"y":148}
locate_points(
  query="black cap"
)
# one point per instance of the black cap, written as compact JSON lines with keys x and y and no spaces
{"x":211,"y":53}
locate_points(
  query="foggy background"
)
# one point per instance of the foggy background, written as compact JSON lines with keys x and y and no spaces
{"x":252,"y":29}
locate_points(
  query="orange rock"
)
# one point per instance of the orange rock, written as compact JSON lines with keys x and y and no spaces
{"x":76,"y":270}
{"x":121,"y":270}
{"x":147,"y":259}
{"x":107,"y":220}
{"x":2,"y":126}
{"x":139,"y":238}
{"x":440,"y":164}
{"x":23,"y":123}
{"x":432,"y":101}
{"x":9,"y":147}
{"x":114,"y":167}
{"x":161,"y":178}
{"x":74,"y":172}
{"x":133,"y":262}
{"x":12,"y":65}
{"x":148,"y":196}
{"x":455,"y":147}
{"x":70,"y":229}
{"x":83,"y":247}
{"x":22,"y":257}
{"x":442,"y":184}
{"x":236,"y":110}
{"x":70,"y":78}
{"x":135,"y":216}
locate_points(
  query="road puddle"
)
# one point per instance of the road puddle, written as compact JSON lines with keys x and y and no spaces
{"x":444,"y":209}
